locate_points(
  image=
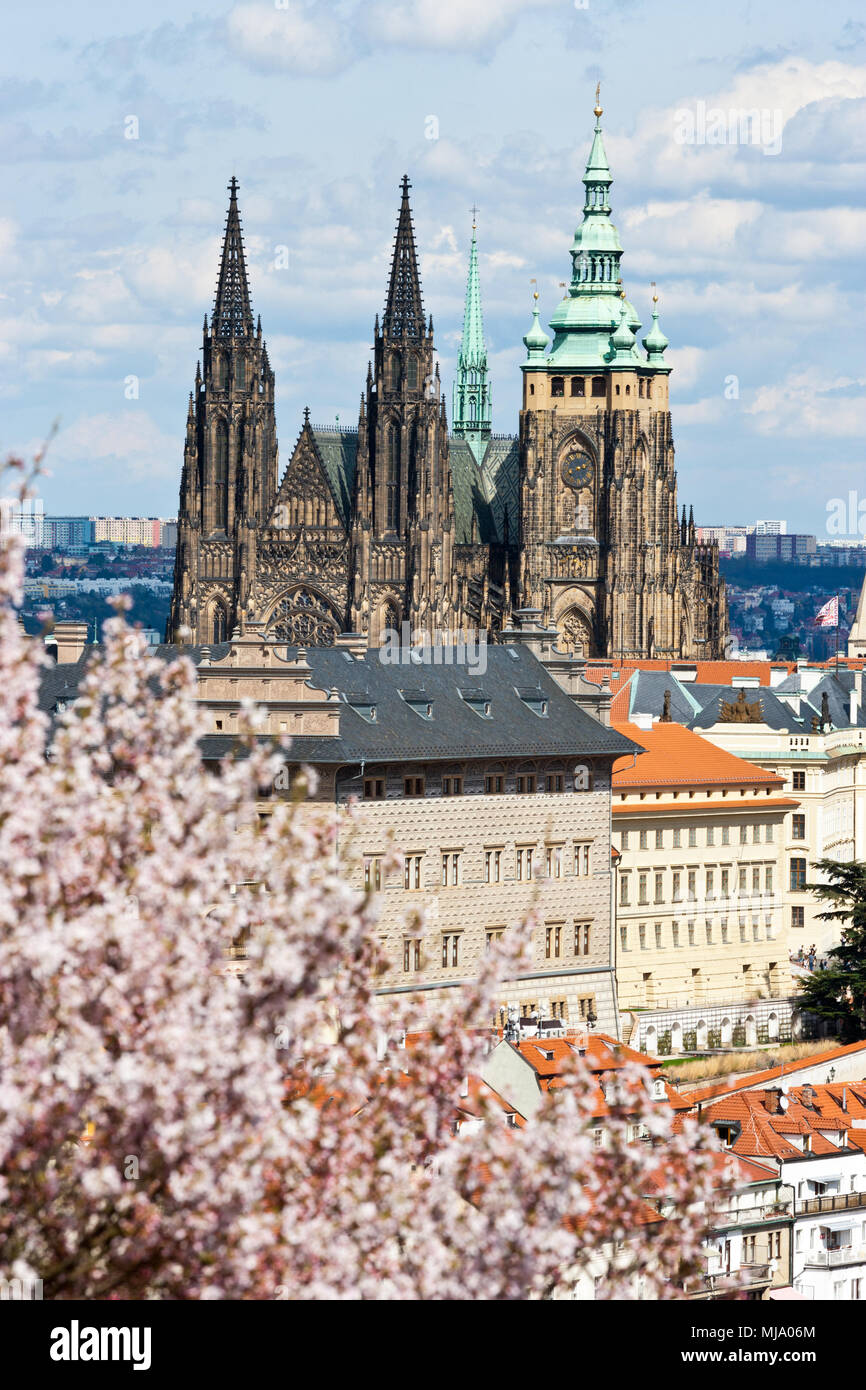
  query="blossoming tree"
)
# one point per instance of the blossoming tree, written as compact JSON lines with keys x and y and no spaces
{"x":169,"y":1129}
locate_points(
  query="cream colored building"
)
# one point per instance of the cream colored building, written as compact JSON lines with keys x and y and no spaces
{"x":699,"y":915}
{"x":492,"y":784}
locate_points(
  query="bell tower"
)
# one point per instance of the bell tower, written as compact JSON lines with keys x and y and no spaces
{"x":602,"y":553}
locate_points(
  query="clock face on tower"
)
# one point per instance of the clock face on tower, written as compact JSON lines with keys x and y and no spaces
{"x":577,"y":471}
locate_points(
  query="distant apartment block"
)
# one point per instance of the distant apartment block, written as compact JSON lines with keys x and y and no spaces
{"x":23,"y":518}
{"x":768,"y":546}
{"x":67,"y":532}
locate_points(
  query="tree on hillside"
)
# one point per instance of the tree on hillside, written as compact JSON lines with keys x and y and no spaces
{"x":839,"y":992}
{"x":169,"y":1130}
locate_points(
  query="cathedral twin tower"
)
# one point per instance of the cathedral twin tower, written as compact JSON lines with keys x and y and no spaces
{"x":401,"y":521}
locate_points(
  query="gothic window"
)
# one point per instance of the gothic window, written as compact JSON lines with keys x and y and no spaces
{"x":221,"y":478}
{"x":220,"y":624}
{"x":304,"y":619}
{"x":575,"y":634}
{"x":240,"y":374}
{"x":473,"y":409}
{"x":394,"y":371}
{"x":392,"y":510}
{"x":391,"y":620}
{"x":557,"y":386}
{"x":412,"y":372}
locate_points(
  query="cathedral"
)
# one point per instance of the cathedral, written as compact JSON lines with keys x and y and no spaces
{"x":403,"y":521}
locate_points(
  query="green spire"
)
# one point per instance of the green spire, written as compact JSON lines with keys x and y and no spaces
{"x":591,"y":310}
{"x":622,"y":340}
{"x":471,"y":402}
{"x":655,"y":341}
{"x":536,"y":339}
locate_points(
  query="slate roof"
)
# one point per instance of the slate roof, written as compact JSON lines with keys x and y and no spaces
{"x":399,"y":732}
{"x":338,"y":450}
{"x":490,"y":491}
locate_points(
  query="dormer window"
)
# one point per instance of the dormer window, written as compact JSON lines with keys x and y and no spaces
{"x":418,"y":701}
{"x":534,"y":698}
{"x":361,"y":703}
{"x":478,"y":701}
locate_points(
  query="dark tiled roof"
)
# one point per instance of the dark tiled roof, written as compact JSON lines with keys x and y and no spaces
{"x":399,"y":733}
{"x":338,"y":450}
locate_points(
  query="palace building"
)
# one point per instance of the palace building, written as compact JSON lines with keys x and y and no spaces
{"x":401,"y":521}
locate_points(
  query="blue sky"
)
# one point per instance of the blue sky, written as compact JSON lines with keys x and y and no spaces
{"x":109,"y":246}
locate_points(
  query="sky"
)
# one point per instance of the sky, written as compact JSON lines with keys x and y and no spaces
{"x":121,"y":125}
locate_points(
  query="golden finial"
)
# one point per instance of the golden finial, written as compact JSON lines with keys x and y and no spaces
{"x":655,"y":295}
{"x":598,"y":110}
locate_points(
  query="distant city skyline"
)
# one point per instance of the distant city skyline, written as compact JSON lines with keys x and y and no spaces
{"x":124,"y":141}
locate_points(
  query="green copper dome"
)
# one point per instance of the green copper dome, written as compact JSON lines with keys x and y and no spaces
{"x":536,"y":339}
{"x":655,"y":341}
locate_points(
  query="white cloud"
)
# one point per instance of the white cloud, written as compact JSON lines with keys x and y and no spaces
{"x":806,"y":403}
{"x":309,"y":40}
{"x":99,"y":444}
{"x":447,"y":24}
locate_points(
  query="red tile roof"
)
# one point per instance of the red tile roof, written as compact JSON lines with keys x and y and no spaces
{"x":690,"y":1099}
{"x":677,"y":756}
{"x":765,"y":1119}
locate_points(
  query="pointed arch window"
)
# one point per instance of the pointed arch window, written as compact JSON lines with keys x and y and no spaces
{"x":240,"y":374}
{"x":392,"y":489}
{"x":412,"y":372}
{"x":220,"y":623}
{"x":221,"y":478}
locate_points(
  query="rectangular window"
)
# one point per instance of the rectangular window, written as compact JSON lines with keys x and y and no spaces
{"x":642,"y":889}
{"x":581,"y":860}
{"x":742,"y":931}
{"x":726,"y":834}
{"x":691,"y":933}
{"x":555,"y":781}
{"x":743,"y":881}
{"x":744,"y":834}
{"x":623,"y":938}
{"x":643,"y":839}
{"x":693,"y":836}
{"x":374,"y":788}
{"x":586,"y":1006}
{"x":641,"y":935}
{"x":451,"y":949}
{"x":411,"y":953}
{"x":373,"y":872}
{"x":798,"y":827}
{"x":711,"y":834}
{"x":768,"y":880}
{"x":677,"y":838}
{"x":492,"y":865}
{"x":660,"y":839}
{"x":725,"y":933}
{"x":412,"y":872}
{"x":693,"y":885}
{"x":493,"y":934}
{"x":756,"y":834}
{"x":581,"y":938}
{"x":452,"y":786}
{"x":709,"y":930}
{"x":553,"y":941}
{"x":623,"y":891}
{"x":798,"y":916}
{"x":526,"y":782}
{"x":726,"y":882}
{"x":756,"y":880}
{"x":799,"y":781}
{"x":659,"y":888}
{"x":677,"y":889}
{"x":494,"y":784}
{"x":710,"y":884}
{"x":554,"y":861}
{"x":770,"y":834}
{"x":413,"y":786}
{"x":798,"y":875}
{"x":675,"y":934}
{"x":450,"y":868}
{"x":658,"y":930}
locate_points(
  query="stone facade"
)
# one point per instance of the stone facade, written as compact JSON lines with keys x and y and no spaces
{"x":396,"y":521}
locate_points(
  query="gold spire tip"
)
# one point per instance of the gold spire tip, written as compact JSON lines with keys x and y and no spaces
{"x":598,"y":110}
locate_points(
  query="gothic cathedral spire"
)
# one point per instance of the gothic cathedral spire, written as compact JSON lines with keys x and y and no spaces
{"x":471,"y":419}
{"x":232,"y":314}
{"x":404,"y":310}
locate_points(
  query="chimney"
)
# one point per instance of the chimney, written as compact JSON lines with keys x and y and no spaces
{"x":71,"y":641}
{"x":774,"y":1102}
{"x":853,"y":706}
